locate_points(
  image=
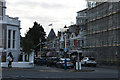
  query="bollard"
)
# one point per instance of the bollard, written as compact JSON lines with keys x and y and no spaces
{"x":65,"y":64}
{"x":78,"y":65}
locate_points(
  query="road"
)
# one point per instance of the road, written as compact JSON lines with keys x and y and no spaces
{"x":57,"y":73}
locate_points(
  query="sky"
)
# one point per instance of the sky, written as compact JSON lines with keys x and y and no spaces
{"x":45,"y":12}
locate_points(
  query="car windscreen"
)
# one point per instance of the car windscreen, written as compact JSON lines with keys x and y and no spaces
{"x":67,"y":60}
{"x":91,"y":58}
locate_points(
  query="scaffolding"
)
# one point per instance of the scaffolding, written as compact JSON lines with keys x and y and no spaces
{"x":103,"y":29}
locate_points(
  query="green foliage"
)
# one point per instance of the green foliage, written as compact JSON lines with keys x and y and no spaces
{"x":32,"y":38}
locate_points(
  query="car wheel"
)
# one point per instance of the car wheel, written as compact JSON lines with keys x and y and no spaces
{"x":56,"y":66}
{"x":72,"y":67}
{"x":59,"y":66}
{"x":62,"y":66}
{"x":85,"y":64}
{"x":94,"y":65}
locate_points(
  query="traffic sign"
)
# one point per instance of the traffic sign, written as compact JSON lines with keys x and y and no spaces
{"x":65,"y":49}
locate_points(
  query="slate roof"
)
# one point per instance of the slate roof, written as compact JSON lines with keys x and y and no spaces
{"x":51,"y":35}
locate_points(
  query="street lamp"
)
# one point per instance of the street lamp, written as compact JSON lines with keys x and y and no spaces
{"x":65,"y":28}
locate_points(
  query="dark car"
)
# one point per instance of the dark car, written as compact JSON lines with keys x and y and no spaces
{"x":40,"y":61}
{"x":37,"y":61}
{"x":51,"y":61}
{"x":54,"y":61}
{"x":43,"y":61}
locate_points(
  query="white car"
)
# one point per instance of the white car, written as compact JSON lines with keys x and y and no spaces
{"x":89,"y":61}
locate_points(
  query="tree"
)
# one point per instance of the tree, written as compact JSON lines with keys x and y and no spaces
{"x":27,"y":44}
{"x":32,"y":38}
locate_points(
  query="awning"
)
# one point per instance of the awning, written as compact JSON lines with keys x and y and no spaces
{"x":49,"y":54}
{"x":78,"y":51}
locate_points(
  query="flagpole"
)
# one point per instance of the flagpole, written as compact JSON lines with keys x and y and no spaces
{"x":51,"y":26}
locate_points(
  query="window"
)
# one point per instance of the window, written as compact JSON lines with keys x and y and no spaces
{"x":72,"y":42}
{"x":1,"y":12}
{"x":80,"y":43}
{"x":78,"y":14}
{"x":81,"y":20}
{"x":13,"y":39}
{"x":9,"y":38}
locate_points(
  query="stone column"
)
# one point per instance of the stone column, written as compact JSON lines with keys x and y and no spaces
{"x":31,"y":57}
{"x":23,"y":57}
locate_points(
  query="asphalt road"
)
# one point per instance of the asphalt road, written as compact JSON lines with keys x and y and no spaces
{"x":44,"y":72}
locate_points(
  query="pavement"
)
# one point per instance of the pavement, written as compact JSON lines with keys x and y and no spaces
{"x":43,"y":72}
{"x":108,"y":66}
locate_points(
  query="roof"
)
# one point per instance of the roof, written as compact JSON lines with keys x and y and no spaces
{"x":82,"y":10}
{"x":51,"y":35}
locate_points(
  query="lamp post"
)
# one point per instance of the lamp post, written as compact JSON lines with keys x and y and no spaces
{"x":65,"y":35}
{"x":65,"y":40}
{"x":65,"y":48}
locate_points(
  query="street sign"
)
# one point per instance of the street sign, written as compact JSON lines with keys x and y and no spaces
{"x":65,"y":49}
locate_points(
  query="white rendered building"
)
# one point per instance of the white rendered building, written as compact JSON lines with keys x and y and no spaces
{"x":9,"y":34}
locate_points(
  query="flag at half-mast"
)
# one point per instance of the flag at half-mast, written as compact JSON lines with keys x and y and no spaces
{"x":50,"y":24}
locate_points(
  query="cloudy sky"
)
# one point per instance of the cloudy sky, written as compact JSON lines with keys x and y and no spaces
{"x":45,"y":12}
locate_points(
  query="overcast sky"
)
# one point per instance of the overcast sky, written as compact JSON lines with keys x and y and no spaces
{"x":45,"y":12}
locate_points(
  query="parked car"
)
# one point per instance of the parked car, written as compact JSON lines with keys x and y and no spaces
{"x":43,"y":61}
{"x":51,"y":61}
{"x":40,"y":61}
{"x":54,"y":60}
{"x":89,"y":61}
{"x":37,"y":60}
{"x":61,"y":63}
